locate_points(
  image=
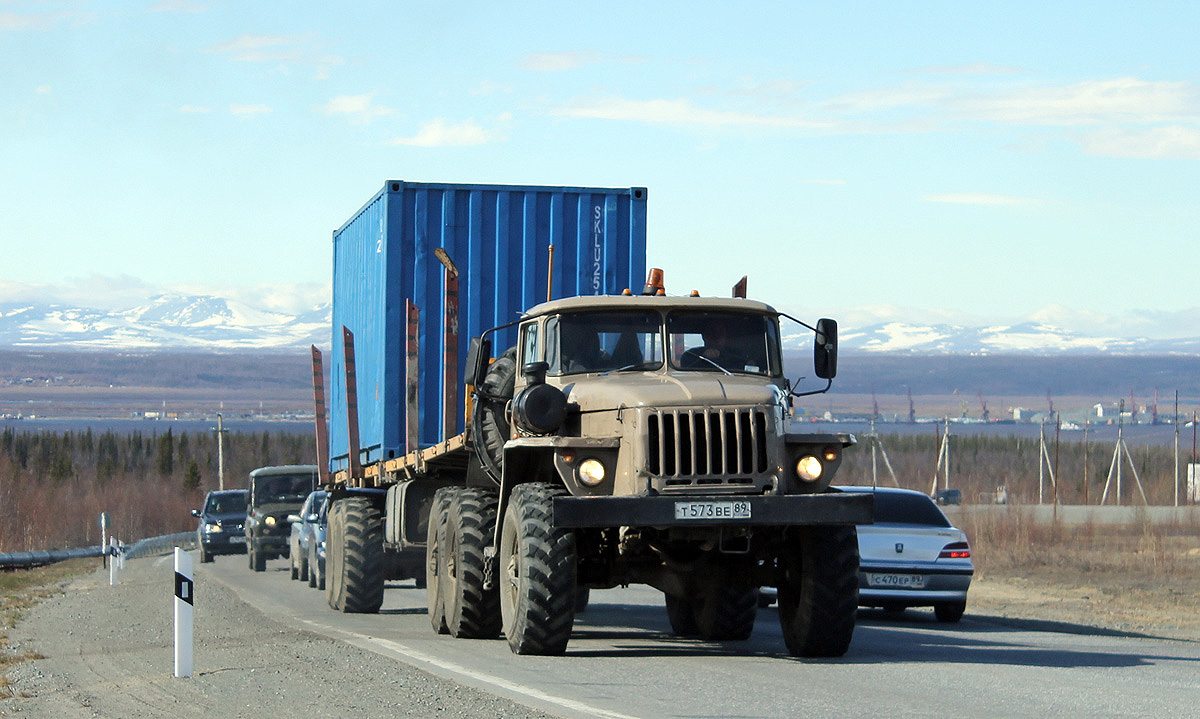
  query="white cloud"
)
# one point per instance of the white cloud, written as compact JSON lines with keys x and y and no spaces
{"x":675,"y":112}
{"x":284,"y":50}
{"x":248,"y":110}
{"x":40,"y":21}
{"x":1133,"y":323}
{"x":560,"y":61}
{"x":194,"y":109}
{"x":359,"y":108}
{"x":1118,"y":100}
{"x":1172,"y":141}
{"x":980,"y":198}
{"x":43,"y":90}
{"x":178,"y":6}
{"x":115,"y":293}
{"x":971,"y":68}
{"x":439,"y":133}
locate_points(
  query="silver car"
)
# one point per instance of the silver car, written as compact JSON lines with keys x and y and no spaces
{"x":912,"y":556}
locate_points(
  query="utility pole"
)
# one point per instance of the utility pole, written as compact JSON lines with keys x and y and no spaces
{"x":220,"y":452}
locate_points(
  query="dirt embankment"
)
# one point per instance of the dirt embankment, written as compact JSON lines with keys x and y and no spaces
{"x":109,"y":653}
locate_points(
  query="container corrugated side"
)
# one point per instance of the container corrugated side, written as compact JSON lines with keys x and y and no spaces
{"x":498,"y":237}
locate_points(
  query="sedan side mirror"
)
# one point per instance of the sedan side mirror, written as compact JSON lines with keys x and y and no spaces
{"x":195,"y":512}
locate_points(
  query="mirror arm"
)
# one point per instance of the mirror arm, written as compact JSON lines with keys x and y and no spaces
{"x":794,"y":393}
{"x":799,"y":322}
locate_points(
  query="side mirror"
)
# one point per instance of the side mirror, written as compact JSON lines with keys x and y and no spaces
{"x":479,"y":353}
{"x":195,"y":512}
{"x":293,"y":518}
{"x":825,"y":349}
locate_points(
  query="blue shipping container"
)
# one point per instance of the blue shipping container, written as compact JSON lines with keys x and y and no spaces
{"x":498,"y":237}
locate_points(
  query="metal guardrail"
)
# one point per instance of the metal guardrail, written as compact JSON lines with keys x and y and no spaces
{"x":150,"y":546}
{"x":165,"y":544}
{"x":26,"y":560}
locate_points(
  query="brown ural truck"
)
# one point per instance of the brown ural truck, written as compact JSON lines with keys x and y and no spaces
{"x":624,"y":439}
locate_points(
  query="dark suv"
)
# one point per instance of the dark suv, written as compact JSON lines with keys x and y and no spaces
{"x":275,"y":492}
{"x":221,"y":520}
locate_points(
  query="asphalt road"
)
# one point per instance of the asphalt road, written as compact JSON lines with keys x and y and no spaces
{"x":623,"y":662}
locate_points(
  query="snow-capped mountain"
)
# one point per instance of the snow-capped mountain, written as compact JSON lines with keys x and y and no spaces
{"x":164,"y":322}
{"x":1028,"y":337}
{"x":206,"y":322}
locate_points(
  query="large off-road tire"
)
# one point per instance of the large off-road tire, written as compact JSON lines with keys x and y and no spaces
{"x":435,"y":537}
{"x":727,"y":613}
{"x":498,"y":386}
{"x":354,"y":560}
{"x":537,"y":573}
{"x":682,"y":615}
{"x":258,"y":560}
{"x":818,"y":592}
{"x":471,"y":611}
{"x":583,"y":597}
{"x":205,"y":555}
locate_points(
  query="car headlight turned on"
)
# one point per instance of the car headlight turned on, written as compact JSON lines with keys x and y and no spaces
{"x":591,"y":472}
{"x":213,"y":528}
{"x":270,"y":521}
{"x":809,"y":468}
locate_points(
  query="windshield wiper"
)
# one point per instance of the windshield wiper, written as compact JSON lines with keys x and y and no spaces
{"x":636,"y":365}
{"x":713,"y":363}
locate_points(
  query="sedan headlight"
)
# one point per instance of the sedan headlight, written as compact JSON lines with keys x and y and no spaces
{"x":591,"y":472}
{"x":808,"y":468}
{"x":212,"y":528}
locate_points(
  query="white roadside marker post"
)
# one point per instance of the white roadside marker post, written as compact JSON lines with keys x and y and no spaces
{"x":111,"y":556}
{"x":183,"y":613}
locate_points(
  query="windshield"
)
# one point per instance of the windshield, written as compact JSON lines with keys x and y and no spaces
{"x":604,"y":341}
{"x":732,"y":342}
{"x":283,"y":488}
{"x":226,"y":504}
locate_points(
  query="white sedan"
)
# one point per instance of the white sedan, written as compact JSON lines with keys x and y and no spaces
{"x":912,"y":556}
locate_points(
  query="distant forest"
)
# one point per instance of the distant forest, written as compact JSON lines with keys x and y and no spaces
{"x":54,"y":486}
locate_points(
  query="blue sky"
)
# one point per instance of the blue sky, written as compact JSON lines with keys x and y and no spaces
{"x":981,"y":163}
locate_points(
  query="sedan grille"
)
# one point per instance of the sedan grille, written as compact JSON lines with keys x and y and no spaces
{"x":703,"y":446}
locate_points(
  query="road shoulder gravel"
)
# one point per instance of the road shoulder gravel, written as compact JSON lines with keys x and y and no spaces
{"x":109,"y":653}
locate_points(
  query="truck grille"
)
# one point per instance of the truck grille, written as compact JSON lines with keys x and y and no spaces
{"x":701,"y":446}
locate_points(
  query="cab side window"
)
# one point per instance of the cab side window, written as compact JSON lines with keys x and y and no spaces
{"x":531,"y":345}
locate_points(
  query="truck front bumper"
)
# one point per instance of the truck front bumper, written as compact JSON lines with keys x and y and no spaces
{"x":708,"y":511}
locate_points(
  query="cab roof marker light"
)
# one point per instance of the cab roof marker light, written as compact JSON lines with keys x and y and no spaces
{"x":654,"y":283}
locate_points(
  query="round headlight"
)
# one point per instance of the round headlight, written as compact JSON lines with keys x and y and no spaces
{"x":808,"y":468}
{"x":591,"y":472}
{"x":212,"y":528}
{"x":270,"y":521}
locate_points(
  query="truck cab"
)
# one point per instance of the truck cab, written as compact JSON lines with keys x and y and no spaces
{"x":666,"y":396}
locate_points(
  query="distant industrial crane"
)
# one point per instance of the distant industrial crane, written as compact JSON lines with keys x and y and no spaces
{"x":912,"y":411}
{"x":983,"y":405}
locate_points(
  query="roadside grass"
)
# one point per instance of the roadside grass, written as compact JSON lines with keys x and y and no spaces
{"x":1139,"y":575}
{"x":21,"y":589}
